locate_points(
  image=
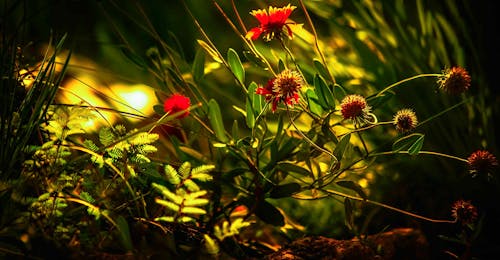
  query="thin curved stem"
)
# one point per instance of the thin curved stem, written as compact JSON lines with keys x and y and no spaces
{"x":422,"y":152}
{"x":316,"y":42}
{"x":405,"y":80}
{"x":337,"y":193}
{"x":310,"y":141}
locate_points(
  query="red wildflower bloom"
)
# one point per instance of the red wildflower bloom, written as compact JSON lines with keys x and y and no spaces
{"x":464,"y":212}
{"x":482,"y":162}
{"x":177,"y":103}
{"x":272,"y":23}
{"x":355,"y":107}
{"x":284,"y":88}
{"x":455,"y":80}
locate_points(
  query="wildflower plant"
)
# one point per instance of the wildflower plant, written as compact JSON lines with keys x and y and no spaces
{"x":293,"y":124}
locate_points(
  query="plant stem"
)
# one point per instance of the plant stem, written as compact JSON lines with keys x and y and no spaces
{"x":421,"y":152}
{"x":316,"y":42}
{"x":333,"y":192}
{"x":310,"y":141}
{"x":405,"y":80}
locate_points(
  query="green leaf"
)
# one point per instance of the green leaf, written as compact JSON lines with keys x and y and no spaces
{"x":193,"y":210}
{"x":321,"y":69}
{"x":411,"y":143}
{"x":268,"y":213}
{"x":312,"y":101}
{"x":353,"y":186}
{"x":211,"y":246}
{"x":342,"y":146}
{"x":290,"y":167}
{"x":257,"y":100}
{"x":124,"y":232}
{"x":235,"y":65}
{"x":250,"y":116}
{"x":184,"y":170}
{"x":325,"y":95}
{"x":235,"y":130}
{"x":215,"y":118}
{"x":254,"y":59}
{"x":198,"y":68}
{"x":285,"y":190}
{"x":210,"y":51}
{"x":349,"y":216}
{"x":168,"y":204}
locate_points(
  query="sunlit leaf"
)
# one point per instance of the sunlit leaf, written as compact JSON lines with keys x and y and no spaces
{"x":235,"y":64}
{"x":321,"y":69}
{"x":198,"y":66}
{"x":215,"y":117}
{"x":353,"y":186}
{"x":342,"y":146}
{"x":193,"y":210}
{"x":290,"y":167}
{"x":210,"y":51}
{"x":411,"y":143}
{"x":312,"y":101}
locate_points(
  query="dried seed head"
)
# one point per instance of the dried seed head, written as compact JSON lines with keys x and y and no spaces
{"x":454,"y":81}
{"x":464,"y":212}
{"x":405,"y":120}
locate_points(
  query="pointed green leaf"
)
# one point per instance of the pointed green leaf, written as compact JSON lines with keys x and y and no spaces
{"x":290,"y":167}
{"x":325,"y":95}
{"x":235,"y":64}
{"x":411,"y":143}
{"x":353,"y":186}
{"x":198,"y":68}
{"x":168,"y":204}
{"x":254,"y":59}
{"x":210,"y":51}
{"x":250,"y":116}
{"x":215,"y":117}
{"x":342,"y":146}
{"x":269,"y":214}
{"x":285,"y":190}
{"x":124,"y":232}
{"x":193,"y":210}
{"x":257,"y":100}
{"x":349,"y":216}
{"x":321,"y":69}
{"x":312,"y":101}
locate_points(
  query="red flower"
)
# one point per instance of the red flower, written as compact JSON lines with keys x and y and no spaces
{"x":177,"y":103}
{"x":464,"y":212}
{"x":284,"y":88}
{"x":272,"y":23}
{"x":405,"y":120}
{"x":482,"y":162}
{"x":455,"y":80}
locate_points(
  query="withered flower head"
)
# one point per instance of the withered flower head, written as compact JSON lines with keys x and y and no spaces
{"x":482,"y":162}
{"x":272,"y":23}
{"x":454,"y":81}
{"x":405,"y":120}
{"x":464,"y":212}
